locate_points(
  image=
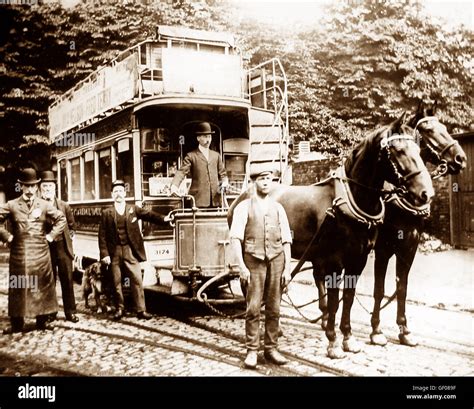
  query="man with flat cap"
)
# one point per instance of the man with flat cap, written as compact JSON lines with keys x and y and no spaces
{"x":261,"y":238}
{"x":121,"y":246}
{"x":34,"y":223}
{"x":206,"y":169}
{"x":62,"y":254}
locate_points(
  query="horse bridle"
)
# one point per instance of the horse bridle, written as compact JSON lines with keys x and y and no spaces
{"x":442,"y":167}
{"x":402,"y":180}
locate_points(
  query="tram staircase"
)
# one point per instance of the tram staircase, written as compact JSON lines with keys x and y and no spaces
{"x":268,"y":119}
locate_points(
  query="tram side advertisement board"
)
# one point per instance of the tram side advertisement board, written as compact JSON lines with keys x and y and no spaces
{"x":102,"y":91}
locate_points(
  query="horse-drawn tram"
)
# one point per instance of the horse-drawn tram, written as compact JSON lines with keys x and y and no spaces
{"x":134,"y":119}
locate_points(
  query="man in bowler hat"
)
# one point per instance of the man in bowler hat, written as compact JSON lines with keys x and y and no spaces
{"x":121,"y":246}
{"x":62,"y":254}
{"x":206,"y":169}
{"x":35,"y":223}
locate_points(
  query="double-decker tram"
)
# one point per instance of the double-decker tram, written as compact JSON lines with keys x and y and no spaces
{"x":134,"y":119}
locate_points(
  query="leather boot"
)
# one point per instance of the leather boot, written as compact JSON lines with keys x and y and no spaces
{"x":251,"y":360}
{"x":275,"y":357}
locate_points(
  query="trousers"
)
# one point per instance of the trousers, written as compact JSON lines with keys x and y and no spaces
{"x":62,"y":268}
{"x":265,"y":285}
{"x":124,"y":259}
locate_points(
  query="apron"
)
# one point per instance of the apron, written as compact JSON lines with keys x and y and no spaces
{"x":32,"y":289}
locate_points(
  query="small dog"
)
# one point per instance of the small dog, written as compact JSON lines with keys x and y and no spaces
{"x":94,"y":281}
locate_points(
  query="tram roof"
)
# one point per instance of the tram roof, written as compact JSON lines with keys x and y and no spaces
{"x":184,"y":33}
{"x":137,"y":73}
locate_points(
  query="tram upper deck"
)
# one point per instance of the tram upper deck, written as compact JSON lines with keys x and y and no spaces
{"x":204,"y":66}
{"x":133,"y":118}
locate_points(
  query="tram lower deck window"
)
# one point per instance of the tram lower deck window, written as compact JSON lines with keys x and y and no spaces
{"x":89,"y":176}
{"x":75,"y":179}
{"x":105,"y":173}
{"x":124,"y":165}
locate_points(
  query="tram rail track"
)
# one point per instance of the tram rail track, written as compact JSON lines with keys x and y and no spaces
{"x":220,"y":340}
{"x":293,"y":357}
{"x":362,"y":330}
{"x":226,"y":355}
{"x":315,"y":355}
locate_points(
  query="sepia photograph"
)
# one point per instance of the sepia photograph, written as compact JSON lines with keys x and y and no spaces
{"x":236,"y":204}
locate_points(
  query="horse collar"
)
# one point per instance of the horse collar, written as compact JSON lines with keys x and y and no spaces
{"x":402,"y":203}
{"x":346,"y":204}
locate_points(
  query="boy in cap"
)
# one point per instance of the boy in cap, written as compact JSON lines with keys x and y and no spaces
{"x":206,"y":169}
{"x":261,"y":238}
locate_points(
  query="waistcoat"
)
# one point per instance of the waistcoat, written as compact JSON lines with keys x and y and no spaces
{"x":122,"y":237}
{"x":263,"y":233}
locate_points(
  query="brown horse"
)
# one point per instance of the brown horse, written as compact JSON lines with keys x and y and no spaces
{"x":352,"y":197}
{"x":400,"y":233}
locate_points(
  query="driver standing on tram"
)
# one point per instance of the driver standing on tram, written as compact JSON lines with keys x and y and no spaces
{"x":206,"y":169}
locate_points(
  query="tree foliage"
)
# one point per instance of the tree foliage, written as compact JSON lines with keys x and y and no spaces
{"x":362,"y":66}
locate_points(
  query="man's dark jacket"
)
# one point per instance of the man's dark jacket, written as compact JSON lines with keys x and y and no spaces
{"x":70,"y":226}
{"x":108,"y":230}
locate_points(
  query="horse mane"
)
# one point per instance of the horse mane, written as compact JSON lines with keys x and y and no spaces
{"x":424,"y":109}
{"x":368,"y":143}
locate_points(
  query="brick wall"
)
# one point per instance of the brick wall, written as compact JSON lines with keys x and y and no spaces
{"x":306,"y":173}
{"x":438,"y":225}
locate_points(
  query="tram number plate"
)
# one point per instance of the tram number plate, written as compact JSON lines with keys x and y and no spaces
{"x":161,"y":251}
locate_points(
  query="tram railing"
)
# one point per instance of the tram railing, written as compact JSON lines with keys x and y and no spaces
{"x":268,"y":89}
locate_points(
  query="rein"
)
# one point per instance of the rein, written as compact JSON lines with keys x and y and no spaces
{"x":345,"y":202}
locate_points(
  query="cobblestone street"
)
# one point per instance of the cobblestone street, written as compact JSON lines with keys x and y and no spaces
{"x":197,"y":343}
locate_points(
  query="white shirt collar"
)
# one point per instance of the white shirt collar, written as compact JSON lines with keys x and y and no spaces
{"x":204,"y":151}
{"x":120,"y":208}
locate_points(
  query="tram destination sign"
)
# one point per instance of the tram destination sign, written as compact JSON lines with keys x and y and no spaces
{"x":103,"y":90}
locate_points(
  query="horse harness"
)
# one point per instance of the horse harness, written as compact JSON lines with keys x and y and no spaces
{"x":424,"y":210}
{"x":442,"y":168}
{"x":403,"y":204}
{"x":344,"y":202}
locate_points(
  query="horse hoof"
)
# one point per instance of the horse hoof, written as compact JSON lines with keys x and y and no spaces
{"x":336,"y":352}
{"x":378,"y":339}
{"x":408,"y":340}
{"x":351,"y":345}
